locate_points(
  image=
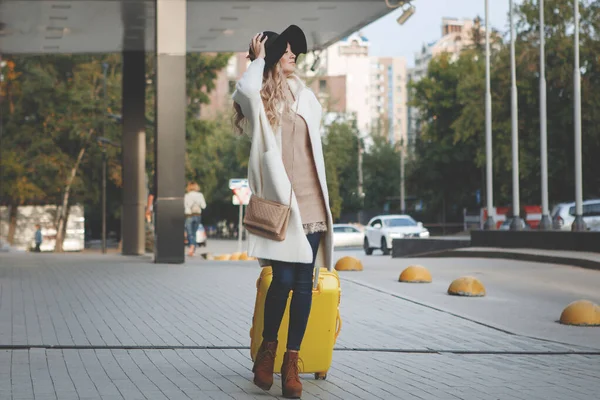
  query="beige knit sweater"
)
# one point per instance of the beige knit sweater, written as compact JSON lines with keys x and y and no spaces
{"x":305,"y":180}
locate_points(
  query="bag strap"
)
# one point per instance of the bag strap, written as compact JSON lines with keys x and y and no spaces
{"x":295,"y":116}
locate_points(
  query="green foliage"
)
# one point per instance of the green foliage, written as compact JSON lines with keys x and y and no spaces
{"x":55,"y":109}
{"x":340,"y":150}
{"x":381,"y":172}
{"x":449,"y":158}
{"x":53,"y":106}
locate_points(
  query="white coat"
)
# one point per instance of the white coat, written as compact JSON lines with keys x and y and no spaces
{"x":266,"y":173}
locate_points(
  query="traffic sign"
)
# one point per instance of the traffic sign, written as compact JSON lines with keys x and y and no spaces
{"x":238,"y":183}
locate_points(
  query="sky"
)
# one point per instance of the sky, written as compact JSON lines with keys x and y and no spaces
{"x":389,"y":39}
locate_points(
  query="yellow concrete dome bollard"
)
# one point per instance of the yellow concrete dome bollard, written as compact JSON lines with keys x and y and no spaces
{"x":581,"y":313}
{"x":348,"y":263}
{"x":245,"y":257}
{"x":235,"y":256}
{"x":466,"y":286}
{"x":223,"y":257}
{"x":415,"y":274}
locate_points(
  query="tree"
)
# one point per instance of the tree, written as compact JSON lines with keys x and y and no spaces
{"x":52,"y":113}
{"x":450,"y":154}
{"x":50,"y":122}
{"x":443,"y":170}
{"x":340,"y":149}
{"x":381,"y":171}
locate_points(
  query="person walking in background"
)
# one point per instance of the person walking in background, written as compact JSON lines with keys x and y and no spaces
{"x":38,"y":238}
{"x":194,"y":203}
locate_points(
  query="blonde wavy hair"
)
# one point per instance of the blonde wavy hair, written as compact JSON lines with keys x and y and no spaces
{"x":192,"y":186}
{"x":272,"y":94}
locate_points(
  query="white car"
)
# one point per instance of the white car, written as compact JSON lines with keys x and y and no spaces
{"x":563,"y":215}
{"x":345,"y":235}
{"x":382,"y":229}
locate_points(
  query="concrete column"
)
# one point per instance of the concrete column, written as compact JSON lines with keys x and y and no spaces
{"x":134,"y":129}
{"x":169,"y":148}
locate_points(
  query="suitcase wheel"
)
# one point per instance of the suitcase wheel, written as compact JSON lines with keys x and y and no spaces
{"x":320,"y":376}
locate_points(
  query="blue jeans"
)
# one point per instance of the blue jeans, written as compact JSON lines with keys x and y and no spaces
{"x":191,"y":226}
{"x":299,"y":278}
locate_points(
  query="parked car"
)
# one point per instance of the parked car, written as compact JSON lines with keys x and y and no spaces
{"x":345,"y":235}
{"x":201,"y":238}
{"x":563,"y":215}
{"x":381,"y":230}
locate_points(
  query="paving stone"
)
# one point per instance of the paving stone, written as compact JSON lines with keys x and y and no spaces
{"x":84,"y":300}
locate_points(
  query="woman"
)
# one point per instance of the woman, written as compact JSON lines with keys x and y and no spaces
{"x":282,"y":116}
{"x":194,"y":203}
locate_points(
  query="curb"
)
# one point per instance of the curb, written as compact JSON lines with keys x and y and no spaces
{"x":539,"y":258}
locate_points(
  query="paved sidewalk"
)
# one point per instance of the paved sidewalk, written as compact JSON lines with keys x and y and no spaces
{"x":87,"y":326}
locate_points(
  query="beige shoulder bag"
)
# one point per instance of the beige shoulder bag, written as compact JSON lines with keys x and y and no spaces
{"x":266,"y":218}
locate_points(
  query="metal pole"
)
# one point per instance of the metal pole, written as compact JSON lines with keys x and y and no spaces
{"x":402,"y":187}
{"x":360,"y":171}
{"x":489,"y":223}
{"x":360,"y":181}
{"x":578,"y":224}
{"x":516,"y":221}
{"x":545,"y":223}
{"x":240,"y":228}
{"x":104,"y":112}
{"x":1,"y":165}
{"x":104,"y":200}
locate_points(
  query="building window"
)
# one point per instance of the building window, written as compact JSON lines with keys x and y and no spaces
{"x":322,"y":85}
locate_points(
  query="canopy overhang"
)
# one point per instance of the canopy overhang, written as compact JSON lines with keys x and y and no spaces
{"x":99,"y":26}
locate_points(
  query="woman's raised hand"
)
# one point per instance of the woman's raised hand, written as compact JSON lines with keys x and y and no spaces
{"x":258,"y":45}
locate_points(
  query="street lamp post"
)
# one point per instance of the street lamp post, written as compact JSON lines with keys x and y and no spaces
{"x":105,"y":110}
{"x":402,"y":179}
{"x":578,"y":224}
{"x":545,"y":223}
{"x":515,"y":224}
{"x":360,"y":179}
{"x":103,"y":199}
{"x":489,"y":223}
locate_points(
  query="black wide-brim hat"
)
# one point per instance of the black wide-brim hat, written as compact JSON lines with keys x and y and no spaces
{"x":276,"y":44}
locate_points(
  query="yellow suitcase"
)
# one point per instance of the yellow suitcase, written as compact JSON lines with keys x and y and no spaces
{"x":324,"y":323}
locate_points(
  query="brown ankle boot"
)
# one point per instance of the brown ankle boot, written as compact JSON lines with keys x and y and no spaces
{"x":263,"y":365}
{"x":290,"y":381}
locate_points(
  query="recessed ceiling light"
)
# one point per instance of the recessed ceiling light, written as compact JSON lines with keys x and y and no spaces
{"x":61,"y":6}
{"x":229,"y":18}
{"x":310,"y":19}
{"x":207,"y":38}
{"x":326,"y":7}
{"x":241,"y":7}
{"x":57,"y":18}
{"x":53,"y":37}
{"x":228,"y":32}
{"x":217,"y":30}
